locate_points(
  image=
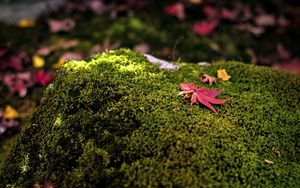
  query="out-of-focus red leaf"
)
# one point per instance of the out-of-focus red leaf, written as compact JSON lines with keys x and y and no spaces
{"x":210,"y":12}
{"x":43,"y":78}
{"x":265,"y":20}
{"x":17,"y":83}
{"x":290,"y":66}
{"x":61,"y":25}
{"x":243,"y":11}
{"x":2,"y":52}
{"x":255,"y":30}
{"x":265,"y":60}
{"x":228,"y":14}
{"x":282,"y":52}
{"x":44,"y":51}
{"x":15,"y":63}
{"x":282,"y":21}
{"x":176,"y":10}
{"x":205,"y":27}
{"x":60,"y":44}
{"x":96,"y":6}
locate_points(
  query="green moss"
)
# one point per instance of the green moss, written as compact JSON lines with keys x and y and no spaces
{"x":116,"y":120}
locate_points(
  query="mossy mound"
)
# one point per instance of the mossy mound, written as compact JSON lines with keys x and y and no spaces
{"x":116,"y":120}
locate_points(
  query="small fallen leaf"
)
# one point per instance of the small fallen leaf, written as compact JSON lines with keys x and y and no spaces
{"x":59,"y":63}
{"x":2,"y":130}
{"x":10,"y":113}
{"x":255,"y":30}
{"x":265,"y":20}
{"x":44,"y":51}
{"x":222,"y":74}
{"x":61,"y":25}
{"x":228,"y":14}
{"x":244,"y":11}
{"x":9,"y":123}
{"x":209,"y":79}
{"x":201,"y":95}
{"x":38,"y":61}
{"x":26,"y":23}
{"x":268,"y":161}
{"x":282,"y":52}
{"x":177,"y":10}
{"x":97,"y":7}
{"x":210,"y":12}
{"x":43,"y":78}
{"x":282,"y":21}
{"x":205,"y":27}
{"x":59,"y":44}
{"x":17,"y":83}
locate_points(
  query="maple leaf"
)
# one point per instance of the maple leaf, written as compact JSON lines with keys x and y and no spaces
{"x":17,"y":83}
{"x":177,"y":10}
{"x":10,"y":113}
{"x":201,"y":95}
{"x":37,"y":61}
{"x":228,"y":14}
{"x":223,"y":75}
{"x":43,"y":78}
{"x":205,"y":27}
{"x":210,"y":79}
{"x":61,"y":25}
{"x":26,"y":23}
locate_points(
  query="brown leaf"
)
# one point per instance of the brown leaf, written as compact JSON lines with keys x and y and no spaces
{"x":209,"y":79}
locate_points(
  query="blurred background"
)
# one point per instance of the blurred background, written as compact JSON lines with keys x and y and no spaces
{"x":38,"y":36}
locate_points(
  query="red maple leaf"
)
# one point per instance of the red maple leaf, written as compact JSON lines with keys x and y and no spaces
{"x":201,"y":95}
{"x":177,"y":10}
{"x":205,"y":27}
{"x":43,"y":78}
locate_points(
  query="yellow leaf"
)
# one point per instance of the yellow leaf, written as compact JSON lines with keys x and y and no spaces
{"x":26,"y":23}
{"x":38,"y":62}
{"x":222,"y":74}
{"x":60,"y":62}
{"x":10,"y":113}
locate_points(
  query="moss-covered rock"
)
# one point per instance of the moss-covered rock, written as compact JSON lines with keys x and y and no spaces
{"x":116,"y":120}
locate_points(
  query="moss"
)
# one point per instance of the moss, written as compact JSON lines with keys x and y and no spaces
{"x":116,"y":120}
